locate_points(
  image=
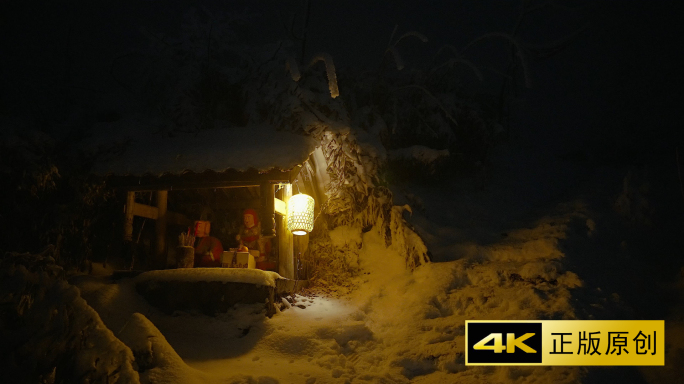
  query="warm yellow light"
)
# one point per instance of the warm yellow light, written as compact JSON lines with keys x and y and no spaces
{"x":300,"y":214}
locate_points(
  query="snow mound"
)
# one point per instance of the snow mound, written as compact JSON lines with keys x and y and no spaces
{"x":50,"y":334}
{"x":417,"y":319}
{"x":157,"y":361}
{"x":225,"y":275}
{"x":345,"y":234}
{"x":138,"y":152}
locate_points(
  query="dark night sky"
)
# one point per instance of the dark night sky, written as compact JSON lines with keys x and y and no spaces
{"x":619,"y":81}
{"x":622,"y":78}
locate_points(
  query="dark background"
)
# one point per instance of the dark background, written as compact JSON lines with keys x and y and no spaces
{"x":618,"y":82}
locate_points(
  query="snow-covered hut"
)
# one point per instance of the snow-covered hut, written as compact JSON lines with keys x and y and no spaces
{"x":264,"y":161}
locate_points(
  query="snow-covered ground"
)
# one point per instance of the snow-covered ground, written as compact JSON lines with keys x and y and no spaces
{"x":396,"y":327}
{"x":530,"y":242}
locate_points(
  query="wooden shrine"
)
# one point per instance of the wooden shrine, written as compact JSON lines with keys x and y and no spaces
{"x":269,"y":205}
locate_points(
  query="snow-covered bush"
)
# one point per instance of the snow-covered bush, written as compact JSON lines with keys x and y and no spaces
{"x":50,"y":199}
{"x":156,"y":360}
{"x":417,"y":163}
{"x":49,"y":334}
{"x":334,"y":255}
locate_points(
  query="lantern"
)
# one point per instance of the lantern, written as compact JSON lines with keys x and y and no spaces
{"x":300,"y":214}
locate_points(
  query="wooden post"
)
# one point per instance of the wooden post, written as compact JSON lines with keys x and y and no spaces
{"x":285,"y":241}
{"x":160,"y":227}
{"x":128,"y":220}
{"x":300,"y":245}
{"x":267,"y":193}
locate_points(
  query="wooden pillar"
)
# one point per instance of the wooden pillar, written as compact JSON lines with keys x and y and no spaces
{"x":267,"y":192}
{"x":160,"y":228}
{"x":128,"y":220}
{"x":301,"y":244}
{"x":285,"y":241}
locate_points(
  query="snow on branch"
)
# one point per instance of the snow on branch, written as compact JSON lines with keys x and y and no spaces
{"x":330,"y":71}
{"x":543,"y":51}
{"x":518,"y":51}
{"x":449,"y":47}
{"x":416,"y":34}
{"x":453,"y":62}
{"x":448,"y":115}
{"x":397,"y":58}
{"x":292,"y":67}
{"x":392,"y":47}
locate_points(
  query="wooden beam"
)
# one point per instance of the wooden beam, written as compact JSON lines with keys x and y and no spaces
{"x":205,"y":180}
{"x":128,"y":220}
{"x":150,"y":212}
{"x":280,"y":206}
{"x":178,"y":219}
{"x":160,"y":229}
{"x":237,"y":204}
{"x":145,"y":211}
{"x":182,"y":187}
{"x":294,"y":172}
{"x":198,"y":180}
{"x":285,"y":241}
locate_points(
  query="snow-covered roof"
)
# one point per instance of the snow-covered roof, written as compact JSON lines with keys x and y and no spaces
{"x":253,"y":147}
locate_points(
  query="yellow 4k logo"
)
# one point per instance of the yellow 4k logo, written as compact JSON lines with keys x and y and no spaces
{"x":511,"y":343}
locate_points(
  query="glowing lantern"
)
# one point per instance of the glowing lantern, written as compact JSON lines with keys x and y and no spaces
{"x":300,"y":214}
